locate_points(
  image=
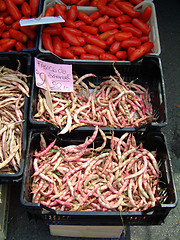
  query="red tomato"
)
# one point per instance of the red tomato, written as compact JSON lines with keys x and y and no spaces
{"x":85,"y":18}
{"x":19,"y":46}
{"x":16,"y":25}
{"x":87,"y":56}
{"x":49,"y":12}
{"x":121,"y":55}
{"x":108,"y":57}
{"x":34,"y":4}
{"x":130,"y":50}
{"x":111,"y":20}
{"x":142,"y":50}
{"x":110,"y":39}
{"x":81,"y":40}
{"x":8,"y":20}
{"x":79,"y":23}
{"x":104,"y":27}
{"x":67,"y":2}
{"x":131,"y":42}
{"x":77,"y":50}
{"x":98,"y":3}
{"x":127,"y":3}
{"x":67,"y":53}
{"x":4,"y":13}
{"x":146,"y":15}
{"x":83,"y":3}
{"x":110,"y":11}
{"x":63,"y":7}
{"x":47,"y":42}
{"x":29,"y":32}
{"x":65,"y":44}
{"x":53,"y":30}
{"x":26,"y":9}
{"x":59,"y":11}
{"x":123,"y":19}
{"x":115,"y":47}
{"x":2,"y":25}
{"x":112,"y":5}
{"x":144,"y":39}
{"x":8,"y":45}
{"x":93,"y":49}
{"x":74,"y":2}
{"x":135,"y":2}
{"x":58,"y":25}
{"x":91,"y":39}
{"x":57,"y":46}
{"x":120,"y":36}
{"x":100,"y":20}
{"x":95,"y":15}
{"x":13,"y":9}
{"x":1,"y":32}
{"x":4,"y":40}
{"x":141,"y":25}
{"x":69,"y":23}
{"x":135,"y":31}
{"x":72,"y":13}
{"x":74,"y":31}
{"x":30,"y":44}
{"x":18,"y":35}
{"x":89,"y":29}
{"x":70,"y":37}
{"x":114,"y":1}
{"x":2,"y":6}
{"x":18,"y":2}
{"x":125,"y":25}
{"x":107,"y":34}
{"x":127,"y":9}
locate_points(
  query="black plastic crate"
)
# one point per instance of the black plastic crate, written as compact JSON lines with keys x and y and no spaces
{"x":152,"y":141}
{"x":148,"y":73}
{"x":11,"y":60}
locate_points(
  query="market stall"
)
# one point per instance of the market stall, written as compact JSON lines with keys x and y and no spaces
{"x":75,"y":129}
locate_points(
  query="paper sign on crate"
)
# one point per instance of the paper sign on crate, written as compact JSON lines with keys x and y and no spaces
{"x":58,"y":76}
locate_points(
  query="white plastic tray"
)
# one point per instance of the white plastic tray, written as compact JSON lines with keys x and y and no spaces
{"x":153,"y":36}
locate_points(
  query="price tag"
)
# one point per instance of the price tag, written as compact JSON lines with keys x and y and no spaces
{"x":59,"y":76}
{"x":40,"y":21}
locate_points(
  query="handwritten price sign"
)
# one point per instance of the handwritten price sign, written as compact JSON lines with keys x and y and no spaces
{"x":59,"y":76}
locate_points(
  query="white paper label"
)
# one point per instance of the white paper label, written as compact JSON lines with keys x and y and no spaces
{"x":59,"y":76}
{"x":43,"y":20}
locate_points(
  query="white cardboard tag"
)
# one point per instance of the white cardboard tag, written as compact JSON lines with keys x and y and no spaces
{"x":40,"y":21}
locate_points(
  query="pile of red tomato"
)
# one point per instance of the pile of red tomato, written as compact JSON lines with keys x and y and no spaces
{"x":14,"y":37}
{"x":95,"y":3}
{"x":115,"y":31}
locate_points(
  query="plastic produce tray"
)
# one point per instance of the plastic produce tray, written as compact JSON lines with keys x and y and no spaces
{"x":10,"y":60}
{"x":149,"y":74}
{"x":153,"y":36}
{"x":152,"y":141}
